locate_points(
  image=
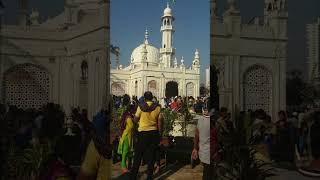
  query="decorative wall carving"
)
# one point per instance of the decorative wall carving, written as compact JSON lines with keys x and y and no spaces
{"x":257,"y":87}
{"x":26,"y":86}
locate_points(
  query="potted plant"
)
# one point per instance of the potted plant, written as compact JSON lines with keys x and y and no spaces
{"x":169,"y":117}
{"x":185,"y":117}
{"x":28,"y":163}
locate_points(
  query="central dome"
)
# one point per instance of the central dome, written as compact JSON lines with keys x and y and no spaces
{"x":153,"y":54}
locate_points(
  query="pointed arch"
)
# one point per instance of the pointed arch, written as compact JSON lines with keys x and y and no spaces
{"x":26,"y":86}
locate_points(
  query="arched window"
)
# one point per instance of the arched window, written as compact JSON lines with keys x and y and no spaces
{"x":269,"y":7}
{"x":84,"y":70}
{"x":152,"y":87}
{"x":136,"y":88}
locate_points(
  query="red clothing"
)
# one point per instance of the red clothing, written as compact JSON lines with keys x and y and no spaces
{"x":173,"y":105}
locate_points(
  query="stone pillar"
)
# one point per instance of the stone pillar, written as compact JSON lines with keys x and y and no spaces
{"x":64,"y":85}
{"x":145,"y":84}
{"x":91,"y":85}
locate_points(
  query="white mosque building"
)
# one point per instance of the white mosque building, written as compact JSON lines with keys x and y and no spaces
{"x":157,"y":69}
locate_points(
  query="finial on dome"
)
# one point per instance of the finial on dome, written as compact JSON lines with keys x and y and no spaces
{"x":167,"y":11}
{"x":146,"y":36}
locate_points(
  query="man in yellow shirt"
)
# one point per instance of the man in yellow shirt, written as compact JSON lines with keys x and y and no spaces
{"x":149,"y":130}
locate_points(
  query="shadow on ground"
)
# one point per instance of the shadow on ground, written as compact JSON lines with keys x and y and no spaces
{"x":165,"y":172}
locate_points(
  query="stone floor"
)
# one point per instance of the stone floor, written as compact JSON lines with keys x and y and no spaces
{"x":185,"y":172}
{"x":171,"y":172}
{"x":290,"y":175}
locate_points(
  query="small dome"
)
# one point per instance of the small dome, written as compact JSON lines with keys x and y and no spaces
{"x":167,"y":11}
{"x":153,"y":54}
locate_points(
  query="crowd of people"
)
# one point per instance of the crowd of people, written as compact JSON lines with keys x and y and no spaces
{"x":290,"y":136}
{"x":141,"y":129}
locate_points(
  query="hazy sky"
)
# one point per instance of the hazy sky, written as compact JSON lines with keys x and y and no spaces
{"x":129,"y":18}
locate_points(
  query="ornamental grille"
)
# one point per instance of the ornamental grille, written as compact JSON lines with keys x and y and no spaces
{"x":118,"y":89}
{"x":190,"y":89}
{"x":257,"y":89}
{"x":26,"y":86}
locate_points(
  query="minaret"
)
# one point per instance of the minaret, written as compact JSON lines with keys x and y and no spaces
{"x":276,"y":16}
{"x":167,"y":51}
{"x":144,"y":51}
{"x":23,"y":12}
{"x":182,"y":66}
{"x":146,"y":37}
{"x":34,"y":17}
{"x":233,"y":19}
{"x":196,"y":61}
{"x":175,"y":63}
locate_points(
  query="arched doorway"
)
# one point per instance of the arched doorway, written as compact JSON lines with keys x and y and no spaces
{"x":171,"y":89}
{"x":26,"y":86}
{"x":257,"y":88}
{"x":152,"y":87}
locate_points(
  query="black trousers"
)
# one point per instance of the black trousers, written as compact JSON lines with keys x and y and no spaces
{"x":146,"y":146}
{"x":207,"y":172}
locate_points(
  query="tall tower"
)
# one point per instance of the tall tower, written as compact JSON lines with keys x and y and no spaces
{"x":313,"y":42}
{"x":167,"y":51}
{"x":23,"y":12}
{"x":196,"y":61}
{"x":276,"y":16}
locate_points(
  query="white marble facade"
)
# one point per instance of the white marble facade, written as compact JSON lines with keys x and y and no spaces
{"x":64,"y":59}
{"x":251,"y":57}
{"x":155,"y":69}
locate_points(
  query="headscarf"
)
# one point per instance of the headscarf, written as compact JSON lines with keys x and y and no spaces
{"x":124,"y":118}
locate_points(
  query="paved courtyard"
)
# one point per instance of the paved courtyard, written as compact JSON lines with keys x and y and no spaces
{"x":290,"y":175}
{"x":185,"y":172}
{"x":171,"y":172}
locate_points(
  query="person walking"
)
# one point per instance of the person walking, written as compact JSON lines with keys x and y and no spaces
{"x":202,"y":142}
{"x":150,"y":126}
{"x":126,"y":132}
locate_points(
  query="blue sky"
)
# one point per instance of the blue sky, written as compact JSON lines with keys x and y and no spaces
{"x":129,"y":19}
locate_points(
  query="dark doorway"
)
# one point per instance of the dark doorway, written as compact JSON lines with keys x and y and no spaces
{"x":214,"y":90}
{"x":171,"y":89}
